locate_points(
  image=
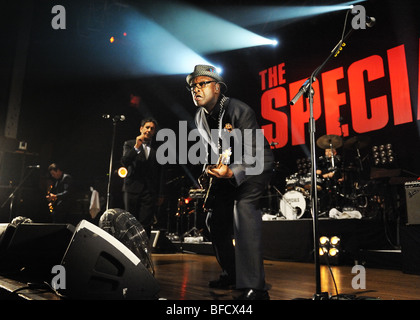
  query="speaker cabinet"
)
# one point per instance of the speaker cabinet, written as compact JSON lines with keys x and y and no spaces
{"x":98,"y":266}
{"x":412,"y":196}
{"x":410,"y":248}
{"x":33,"y":248}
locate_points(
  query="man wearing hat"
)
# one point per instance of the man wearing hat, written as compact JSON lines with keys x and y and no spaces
{"x":235,"y":213}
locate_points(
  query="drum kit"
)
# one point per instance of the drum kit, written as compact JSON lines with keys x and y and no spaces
{"x":336,"y":180}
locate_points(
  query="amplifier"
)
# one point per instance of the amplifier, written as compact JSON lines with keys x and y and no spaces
{"x":412,"y":196}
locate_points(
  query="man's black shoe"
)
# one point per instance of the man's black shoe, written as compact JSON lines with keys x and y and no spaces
{"x":252,"y":294}
{"x":223,"y":282}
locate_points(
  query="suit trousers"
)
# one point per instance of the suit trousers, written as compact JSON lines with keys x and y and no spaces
{"x":237,"y":215}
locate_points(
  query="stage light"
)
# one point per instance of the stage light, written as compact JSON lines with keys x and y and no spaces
{"x":329,"y":250}
{"x":383,"y":155}
{"x":333,"y":252}
{"x":334,"y":240}
{"x":112,"y":39}
{"x":323,"y":240}
{"x":122,"y":172}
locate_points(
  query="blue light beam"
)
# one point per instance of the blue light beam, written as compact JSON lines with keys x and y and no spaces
{"x":201,"y":31}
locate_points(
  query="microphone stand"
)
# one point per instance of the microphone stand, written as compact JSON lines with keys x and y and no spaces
{"x":308,"y":91}
{"x":108,"y":192}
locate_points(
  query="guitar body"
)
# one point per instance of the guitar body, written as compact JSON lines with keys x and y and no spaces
{"x":207,"y":181}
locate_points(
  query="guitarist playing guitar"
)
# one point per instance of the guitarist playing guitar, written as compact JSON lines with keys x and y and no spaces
{"x":206,"y":180}
{"x":60,"y":196}
{"x":236,"y":212}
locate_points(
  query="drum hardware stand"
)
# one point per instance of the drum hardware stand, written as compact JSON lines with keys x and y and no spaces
{"x":195,"y":194}
{"x":308,"y":91}
{"x":332,"y":157}
{"x":13,"y":194}
{"x":193,"y":232}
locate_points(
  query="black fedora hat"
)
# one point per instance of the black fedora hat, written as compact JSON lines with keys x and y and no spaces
{"x":204,"y":70}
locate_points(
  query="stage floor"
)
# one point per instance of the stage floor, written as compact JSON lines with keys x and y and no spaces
{"x":185,"y":277}
{"x":290,"y":271}
{"x":382,"y":274}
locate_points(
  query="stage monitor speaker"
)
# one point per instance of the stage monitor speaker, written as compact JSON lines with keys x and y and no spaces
{"x":33,"y":248}
{"x":412,"y":195}
{"x":98,"y":266}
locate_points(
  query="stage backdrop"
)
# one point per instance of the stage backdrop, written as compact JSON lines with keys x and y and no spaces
{"x":369,"y":91}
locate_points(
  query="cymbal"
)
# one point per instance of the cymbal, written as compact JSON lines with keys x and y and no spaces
{"x":328,"y":140}
{"x":357,"y":142}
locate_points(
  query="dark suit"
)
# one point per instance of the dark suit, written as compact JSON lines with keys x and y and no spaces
{"x":65,"y":203}
{"x":236,"y":211}
{"x":141,"y":183}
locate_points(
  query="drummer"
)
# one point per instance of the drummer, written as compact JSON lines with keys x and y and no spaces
{"x":329,"y":169}
{"x":329,"y":165}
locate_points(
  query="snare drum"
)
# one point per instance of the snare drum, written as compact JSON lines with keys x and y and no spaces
{"x":292,"y":182}
{"x":293,"y":205}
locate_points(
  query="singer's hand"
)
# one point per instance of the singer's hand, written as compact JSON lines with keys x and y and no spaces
{"x":139,"y":140}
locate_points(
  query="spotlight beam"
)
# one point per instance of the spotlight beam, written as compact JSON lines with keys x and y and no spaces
{"x":201,"y":31}
{"x":248,"y":16}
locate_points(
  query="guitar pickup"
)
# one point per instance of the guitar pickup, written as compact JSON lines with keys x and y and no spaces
{"x":197,"y":193}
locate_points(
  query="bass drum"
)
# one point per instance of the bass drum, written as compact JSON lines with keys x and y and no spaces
{"x":293,"y":205}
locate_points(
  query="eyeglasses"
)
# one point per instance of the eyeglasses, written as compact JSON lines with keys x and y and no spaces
{"x":199,"y":85}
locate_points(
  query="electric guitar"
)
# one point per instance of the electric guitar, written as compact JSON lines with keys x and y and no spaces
{"x":206,"y":181}
{"x":50,"y":202}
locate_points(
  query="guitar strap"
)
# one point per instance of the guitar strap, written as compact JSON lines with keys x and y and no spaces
{"x":204,"y":129}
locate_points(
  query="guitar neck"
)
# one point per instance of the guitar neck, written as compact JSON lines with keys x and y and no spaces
{"x":219,"y":161}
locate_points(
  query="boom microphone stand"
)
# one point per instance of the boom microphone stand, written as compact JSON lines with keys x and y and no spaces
{"x":308,"y":91}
